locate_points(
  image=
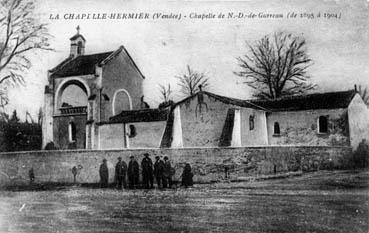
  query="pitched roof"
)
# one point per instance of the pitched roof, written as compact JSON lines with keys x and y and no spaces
{"x":81,"y":65}
{"x":76,"y":36}
{"x":224,"y":99}
{"x":329,"y":100}
{"x":85,"y":64}
{"x":65,"y":61}
{"x":143,"y":115}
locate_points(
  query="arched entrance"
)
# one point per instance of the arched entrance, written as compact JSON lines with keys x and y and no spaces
{"x":70,"y":113}
{"x":71,"y":95}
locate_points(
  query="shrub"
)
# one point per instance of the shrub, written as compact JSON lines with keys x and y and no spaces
{"x":50,"y":146}
{"x":361,"y":155}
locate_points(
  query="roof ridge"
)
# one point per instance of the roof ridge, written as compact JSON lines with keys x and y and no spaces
{"x":343,"y":97}
{"x":301,"y":95}
{"x":111,"y":56}
{"x":236,"y":99}
{"x":92,"y":54}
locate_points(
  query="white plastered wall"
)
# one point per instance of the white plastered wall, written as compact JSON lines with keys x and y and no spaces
{"x":177,"y":129}
{"x":236,"y":132}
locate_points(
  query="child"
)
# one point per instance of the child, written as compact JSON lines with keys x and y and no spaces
{"x":187,"y":176}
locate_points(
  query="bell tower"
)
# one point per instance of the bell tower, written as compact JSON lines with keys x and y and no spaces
{"x":77,"y":44}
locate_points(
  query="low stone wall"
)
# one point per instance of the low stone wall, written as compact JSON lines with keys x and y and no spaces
{"x":208,"y":164}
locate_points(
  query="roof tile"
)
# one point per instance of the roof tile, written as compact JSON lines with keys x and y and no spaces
{"x":81,"y":65}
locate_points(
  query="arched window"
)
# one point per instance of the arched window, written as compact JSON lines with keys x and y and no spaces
{"x":277,"y":130}
{"x":79,"y":47}
{"x":121,"y":101}
{"x":251,"y":122}
{"x":323,"y":124}
{"x":72,"y":132}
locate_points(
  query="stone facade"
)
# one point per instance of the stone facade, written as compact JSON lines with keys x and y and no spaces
{"x":120,"y":76}
{"x":61,"y":134}
{"x":208,"y":164}
{"x":301,"y":128}
{"x":148,"y":134}
{"x":102,"y":78}
{"x":341,"y":121}
{"x":202,"y":128}
{"x":257,"y":134}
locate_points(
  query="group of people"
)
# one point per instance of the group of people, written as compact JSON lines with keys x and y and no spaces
{"x":161,"y":170}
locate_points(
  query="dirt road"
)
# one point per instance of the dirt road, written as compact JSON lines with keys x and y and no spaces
{"x":335,"y":201}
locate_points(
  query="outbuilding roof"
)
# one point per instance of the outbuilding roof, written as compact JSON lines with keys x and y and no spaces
{"x":143,"y":115}
{"x":329,"y":100}
{"x":224,"y":99}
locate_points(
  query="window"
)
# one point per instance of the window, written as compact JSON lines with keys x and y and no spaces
{"x":251,"y":123}
{"x":132,"y":131}
{"x":72,"y":132}
{"x":277,"y":130}
{"x":323,"y":124}
{"x":79,"y":47}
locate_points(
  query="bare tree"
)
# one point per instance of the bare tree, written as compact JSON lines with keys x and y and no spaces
{"x":190,"y":81}
{"x":275,"y":66}
{"x":20,"y":33}
{"x":166,"y":96}
{"x":165,"y":92}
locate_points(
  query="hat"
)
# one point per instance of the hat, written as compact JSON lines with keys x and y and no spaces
{"x":146,"y":154}
{"x":119,"y":158}
{"x":165,"y":157}
{"x":131,"y":157}
{"x":104,"y":160}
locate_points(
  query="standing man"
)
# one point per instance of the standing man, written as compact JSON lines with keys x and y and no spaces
{"x":120,"y":173}
{"x":167,"y":173}
{"x":133,"y":172}
{"x":147,"y":172}
{"x":158,"y":170}
{"x":104,"y":174}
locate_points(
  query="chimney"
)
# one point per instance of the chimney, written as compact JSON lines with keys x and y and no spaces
{"x":355,"y":88}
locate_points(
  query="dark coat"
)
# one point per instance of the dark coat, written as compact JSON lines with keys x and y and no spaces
{"x":167,"y":171}
{"x":158,"y":168}
{"x":133,"y":169}
{"x":120,"y":169}
{"x":187,"y":176}
{"x":104,"y":173}
{"x":146,"y":165}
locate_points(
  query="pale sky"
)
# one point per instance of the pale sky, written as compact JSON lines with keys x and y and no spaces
{"x":162,"y":48}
